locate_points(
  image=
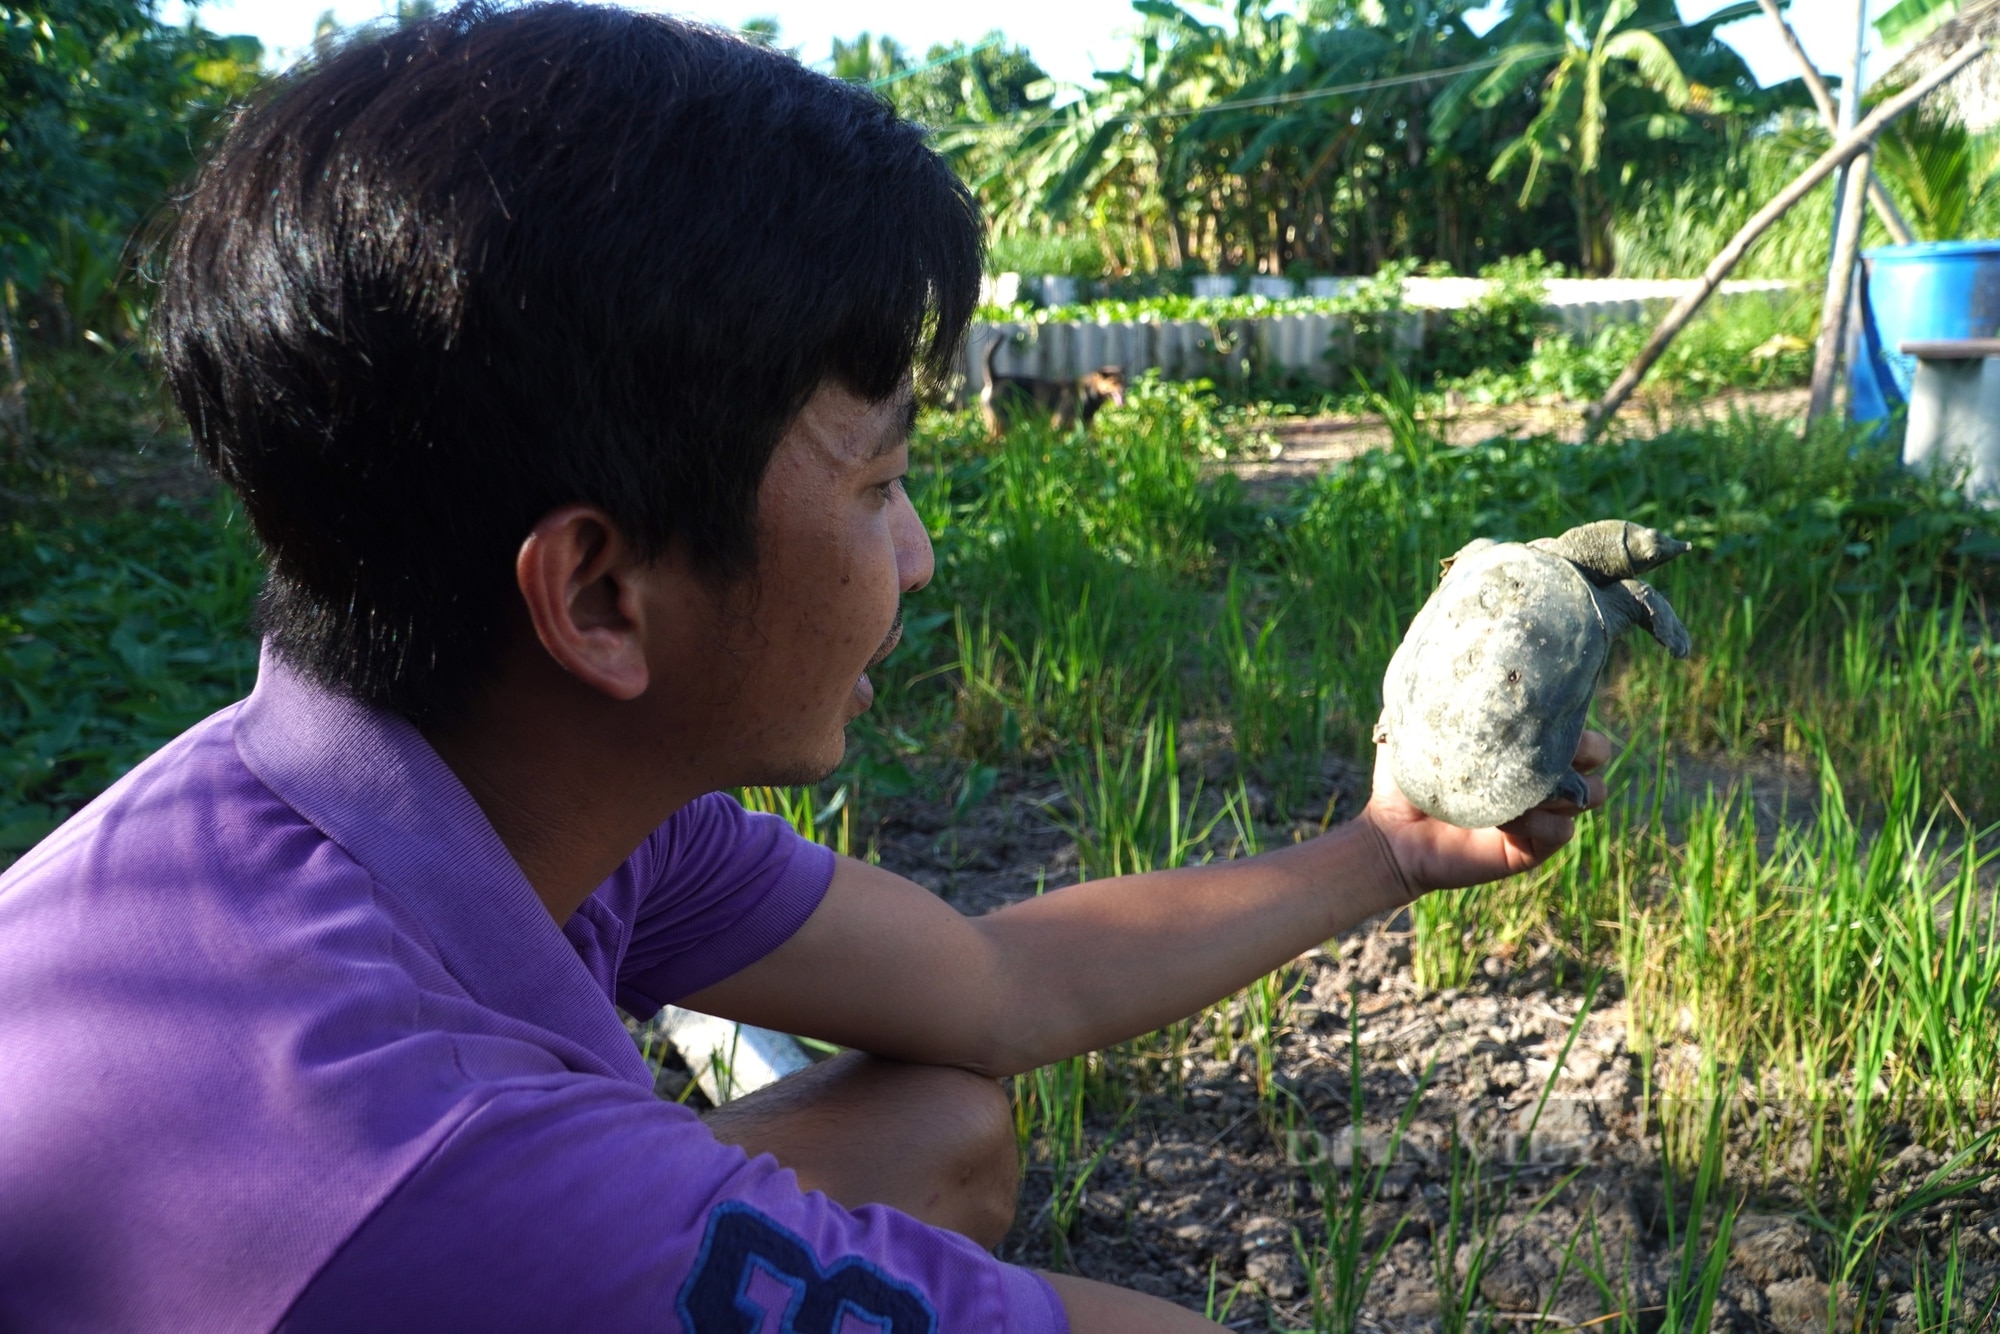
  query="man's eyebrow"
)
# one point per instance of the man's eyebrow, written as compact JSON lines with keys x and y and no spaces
{"x":899,"y":428}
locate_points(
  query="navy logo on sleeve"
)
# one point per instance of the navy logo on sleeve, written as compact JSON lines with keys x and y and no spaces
{"x":748,"y":1264}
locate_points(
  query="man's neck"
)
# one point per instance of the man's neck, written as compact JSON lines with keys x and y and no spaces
{"x":566,"y":780}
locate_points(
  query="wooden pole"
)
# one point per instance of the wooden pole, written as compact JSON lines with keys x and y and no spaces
{"x":1839,"y":284}
{"x":1822,"y":96}
{"x":1850,"y":113}
{"x":1731,"y":254}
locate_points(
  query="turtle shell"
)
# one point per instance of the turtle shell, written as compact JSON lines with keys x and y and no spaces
{"x":1485,"y":699}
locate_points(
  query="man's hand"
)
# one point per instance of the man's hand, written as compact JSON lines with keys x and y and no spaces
{"x":1426,"y":853}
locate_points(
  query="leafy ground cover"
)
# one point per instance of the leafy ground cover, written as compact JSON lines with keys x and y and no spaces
{"x":116,"y":634}
{"x":1754,"y":1000}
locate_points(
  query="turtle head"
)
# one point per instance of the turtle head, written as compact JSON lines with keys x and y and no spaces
{"x":1649,"y":548}
{"x":1612,"y":549}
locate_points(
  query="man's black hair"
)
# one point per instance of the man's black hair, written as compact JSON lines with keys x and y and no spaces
{"x":506,"y":259}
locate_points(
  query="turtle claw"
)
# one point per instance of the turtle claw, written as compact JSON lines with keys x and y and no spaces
{"x":1673,"y":636}
{"x":1572,"y":789}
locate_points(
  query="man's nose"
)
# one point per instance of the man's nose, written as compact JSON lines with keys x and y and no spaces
{"x":915,"y":562}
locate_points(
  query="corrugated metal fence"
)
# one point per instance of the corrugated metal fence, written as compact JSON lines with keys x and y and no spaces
{"x":1312,"y":346}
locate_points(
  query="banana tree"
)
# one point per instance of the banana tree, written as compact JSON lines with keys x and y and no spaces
{"x":1342,"y":123}
{"x":1600,"y":80}
{"x":1110,"y":156}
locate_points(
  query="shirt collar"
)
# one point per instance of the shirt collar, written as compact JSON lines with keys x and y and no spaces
{"x":369,"y":781}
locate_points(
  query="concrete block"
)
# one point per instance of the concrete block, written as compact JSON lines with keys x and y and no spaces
{"x":730,"y":1059}
{"x":1954,"y":423}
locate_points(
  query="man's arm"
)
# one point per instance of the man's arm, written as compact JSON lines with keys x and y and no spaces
{"x":886,"y":967}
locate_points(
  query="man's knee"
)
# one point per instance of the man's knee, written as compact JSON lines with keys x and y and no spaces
{"x":974,"y":1122}
{"x":935,"y":1141}
{"x":996,"y":1155}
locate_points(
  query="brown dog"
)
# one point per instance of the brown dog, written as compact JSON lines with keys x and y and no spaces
{"x":1008,"y":399}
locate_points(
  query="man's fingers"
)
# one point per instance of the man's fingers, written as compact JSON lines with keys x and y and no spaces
{"x":1543,"y":830}
{"x":1593,"y":751}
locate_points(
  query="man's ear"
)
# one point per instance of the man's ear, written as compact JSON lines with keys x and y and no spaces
{"x":581,"y":580}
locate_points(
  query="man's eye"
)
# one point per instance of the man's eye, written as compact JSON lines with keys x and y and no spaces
{"x":887,"y":490}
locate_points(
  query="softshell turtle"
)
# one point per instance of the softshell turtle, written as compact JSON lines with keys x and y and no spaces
{"x":1485,"y":698}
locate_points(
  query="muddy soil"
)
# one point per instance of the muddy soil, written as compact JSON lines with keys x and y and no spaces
{"x":1208,"y":1192}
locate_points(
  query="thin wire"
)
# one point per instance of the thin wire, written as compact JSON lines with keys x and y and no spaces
{"x":928,"y":66}
{"x":1311,"y":94}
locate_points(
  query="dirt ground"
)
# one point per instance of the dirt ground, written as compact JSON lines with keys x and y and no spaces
{"x":1304,"y":447}
{"x":1208,"y":1190}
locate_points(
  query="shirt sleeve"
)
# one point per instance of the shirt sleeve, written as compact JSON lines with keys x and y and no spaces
{"x":725,"y":887}
{"x":573,"y":1203}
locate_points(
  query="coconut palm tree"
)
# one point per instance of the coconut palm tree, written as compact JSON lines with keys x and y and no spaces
{"x":1946,"y":175}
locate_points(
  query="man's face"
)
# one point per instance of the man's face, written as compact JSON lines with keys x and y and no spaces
{"x":838,"y":544}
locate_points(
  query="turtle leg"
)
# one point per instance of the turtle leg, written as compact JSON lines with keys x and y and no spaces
{"x":1628,"y":603}
{"x":1612,"y":549}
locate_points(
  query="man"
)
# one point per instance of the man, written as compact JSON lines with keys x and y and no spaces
{"x":562,"y":360}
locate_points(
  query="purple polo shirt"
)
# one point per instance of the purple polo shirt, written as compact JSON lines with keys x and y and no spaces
{"x":287,"y":1041}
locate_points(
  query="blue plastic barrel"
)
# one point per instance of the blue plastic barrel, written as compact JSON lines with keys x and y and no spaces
{"x":1931,"y":290}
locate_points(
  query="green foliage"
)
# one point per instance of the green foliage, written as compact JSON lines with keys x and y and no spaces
{"x":1748,"y":342}
{"x":1673,"y":228}
{"x":1945,"y":181}
{"x":1073,"y":255}
{"x":1908,"y":20}
{"x":986,"y":103}
{"x":116,"y":634}
{"x":954,"y":84}
{"x":1337,"y":137}
{"x":1946,"y":178}
{"x":1612,"y":84}
{"x":81,"y":402}
{"x":101,"y":106}
{"x":1501,"y":328}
